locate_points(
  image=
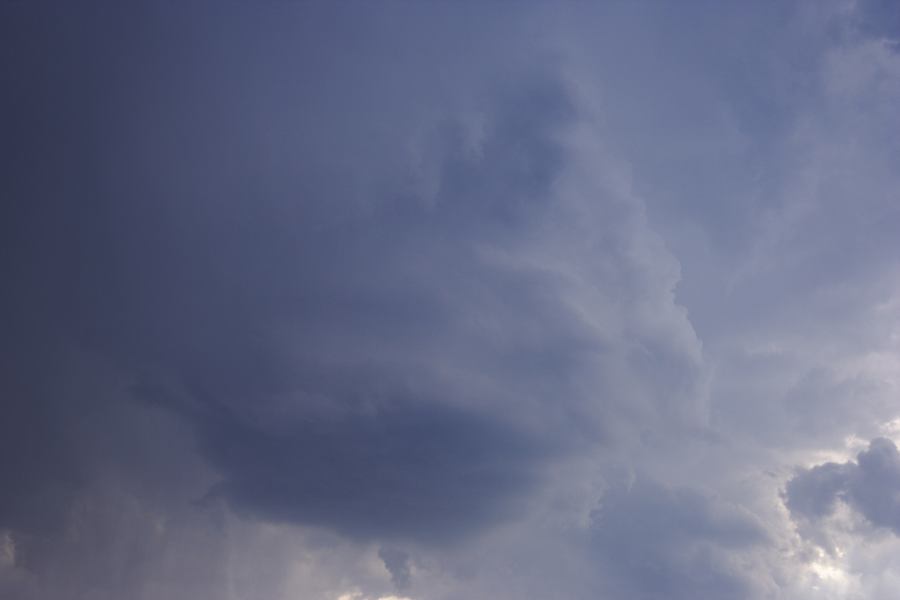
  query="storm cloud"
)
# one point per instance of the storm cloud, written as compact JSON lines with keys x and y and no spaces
{"x":449,"y":300}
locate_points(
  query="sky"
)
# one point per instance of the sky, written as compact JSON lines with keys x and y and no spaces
{"x":450,"y":300}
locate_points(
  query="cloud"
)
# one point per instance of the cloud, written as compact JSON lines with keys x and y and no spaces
{"x":388,"y":323}
{"x":657,"y":542}
{"x":396,"y":561}
{"x":365,"y":368}
{"x":401,"y":471}
{"x":870,"y":485}
{"x":313,"y":300}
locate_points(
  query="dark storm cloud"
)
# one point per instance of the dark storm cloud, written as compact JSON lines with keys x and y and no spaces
{"x":294,"y":291}
{"x":39,"y":473}
{"x":233,"y":284}
{"x":250,"y":306}
{"x":403,"y":471}
{"x":39,"y":470}
{"x":366,"y":302}
{"x":870,"y":485}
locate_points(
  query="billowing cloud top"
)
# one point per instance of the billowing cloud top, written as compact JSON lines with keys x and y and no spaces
{"x":420,"y":301}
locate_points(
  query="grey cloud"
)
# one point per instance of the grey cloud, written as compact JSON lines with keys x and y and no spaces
{"x":381,"y":309}
{"x":187,"y":269}
{"x":660,"y":542}
{"x":338,"y":361}
{"x":300,"y":281}
{"x":870,"y":485}
{"x":331,"y":354}
{"x":39,"y":471}
{"x":880,"y":18}
{"x":814,"y":493}
{"x":397,"y":562}
{"x":421,"y":471}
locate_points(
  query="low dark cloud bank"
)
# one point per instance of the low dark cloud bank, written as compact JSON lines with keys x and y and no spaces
{"x":401,"y":471}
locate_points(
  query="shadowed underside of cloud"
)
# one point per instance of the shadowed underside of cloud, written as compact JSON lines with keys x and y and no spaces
{"x":870,"y":485}
{"x":402,"y":471}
